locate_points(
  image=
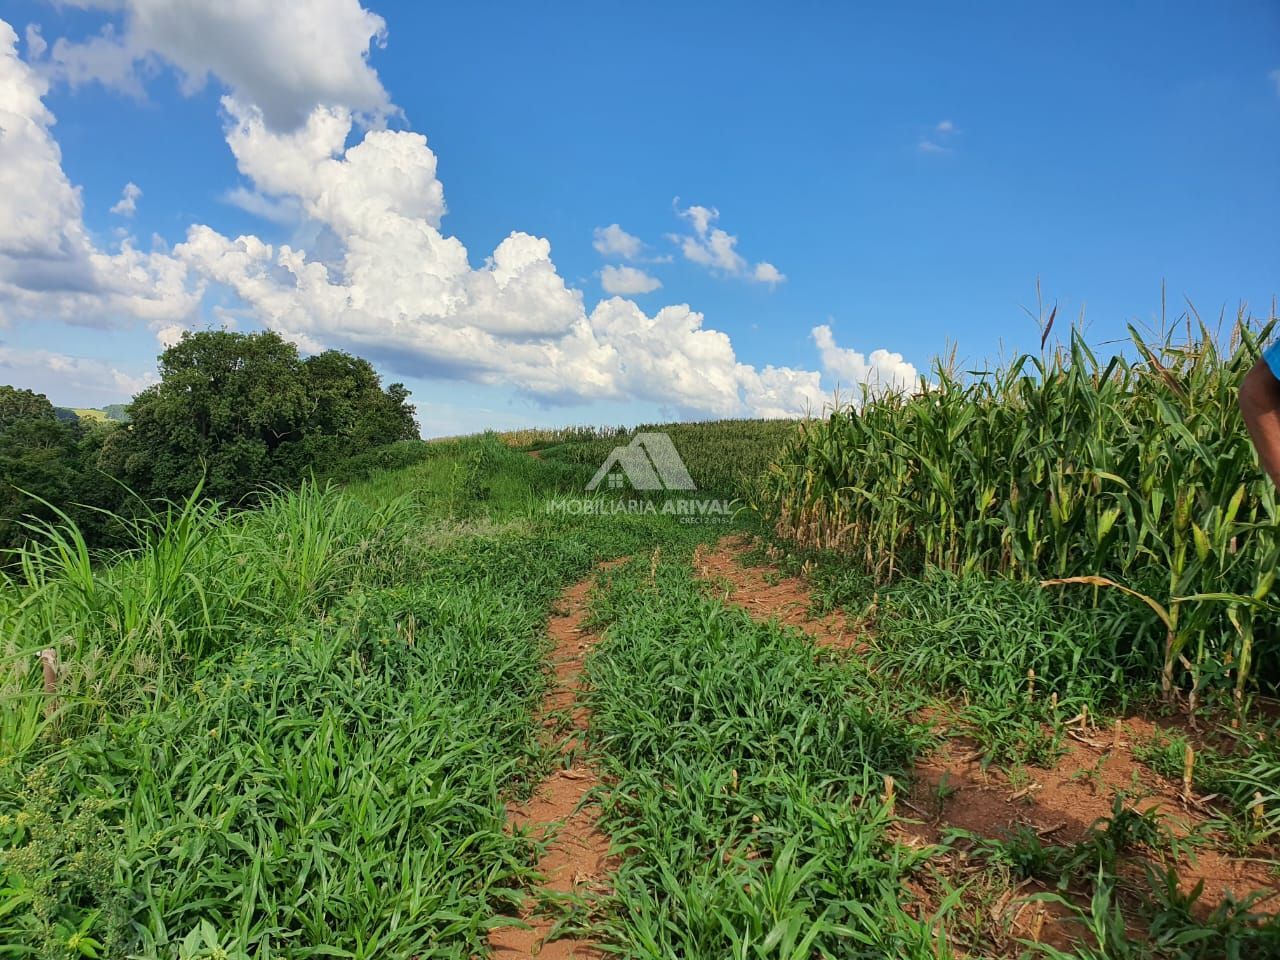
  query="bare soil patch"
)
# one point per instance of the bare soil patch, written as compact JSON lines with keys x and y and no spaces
{"x":577,"y":859}
{"x":1061,"y":803}
{"x":767,"y":594}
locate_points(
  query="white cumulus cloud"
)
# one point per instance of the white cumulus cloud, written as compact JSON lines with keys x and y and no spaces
{"x":670,"y":358}
{"x":613,"y":241}
{"x":57,"y":375}
{"x":49,"y":266}
{"x":406,"y":294}
{"x":881,"y":371}
{"x":383,"y":280}
{"x":627,"y":280}
{"x":127,"y":205}
{"x":716,"y":249}
{"x":286,"y":58}
{"x":766,"y":272}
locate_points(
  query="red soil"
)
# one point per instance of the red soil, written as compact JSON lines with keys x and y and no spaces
{"x":768,"y":595}
{"x":577,"y":859}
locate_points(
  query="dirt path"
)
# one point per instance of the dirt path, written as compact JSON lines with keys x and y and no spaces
{"x":950,"y":789}
{"x":577,"y":859}
{"x":766,"y":594}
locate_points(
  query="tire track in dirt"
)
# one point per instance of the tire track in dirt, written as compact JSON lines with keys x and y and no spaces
{"x":766,"y":594}
{"x":577,"y":859}
{"x":1061,"y":805}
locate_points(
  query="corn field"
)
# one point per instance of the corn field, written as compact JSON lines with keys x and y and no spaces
{"x":1131,"y":471}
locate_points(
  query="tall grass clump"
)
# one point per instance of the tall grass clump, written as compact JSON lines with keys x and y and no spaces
{"x":1131,"y":471}
{"x":124,"y":627}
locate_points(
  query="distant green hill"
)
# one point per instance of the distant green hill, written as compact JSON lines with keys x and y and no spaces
{"x":114,"y":412}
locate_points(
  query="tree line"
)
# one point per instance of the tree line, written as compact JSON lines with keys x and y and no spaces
{"x":238,"y":413}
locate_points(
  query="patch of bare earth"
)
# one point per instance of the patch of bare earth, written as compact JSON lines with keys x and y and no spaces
{"x":577,"y":859}
{"x":767,"y":594}
{"x":950,"y":789}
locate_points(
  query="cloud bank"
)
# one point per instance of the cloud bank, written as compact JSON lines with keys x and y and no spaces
{"x":52,"y":373}
{"x":390,"y":284}
{"x":881,"y":371}
{"x":285,"y":58}
{"x":49,"y":266}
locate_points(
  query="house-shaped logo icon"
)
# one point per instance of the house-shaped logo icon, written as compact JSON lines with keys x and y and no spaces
{"x":649,"y":462}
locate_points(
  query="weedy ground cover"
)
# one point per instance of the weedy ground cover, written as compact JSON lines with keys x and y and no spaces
{"x":748,"y":779}
{"x":1123,"y":915}
{"x":1014,"y":660}
{"x":294,"y":732}
{"x":289,"y":732}
{"x":1136,"y":858}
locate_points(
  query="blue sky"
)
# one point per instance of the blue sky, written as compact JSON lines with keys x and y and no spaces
{"x":911,"y":172}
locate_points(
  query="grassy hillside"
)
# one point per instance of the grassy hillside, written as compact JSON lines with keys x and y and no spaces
{"x":113,"y":413}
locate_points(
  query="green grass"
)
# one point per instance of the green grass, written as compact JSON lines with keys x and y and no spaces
{"x":748,"y":769}
{"x":293,"y":732}
{"x":1014,"y":661}
{"x":290,"y":731}
{"x":336,"y":785}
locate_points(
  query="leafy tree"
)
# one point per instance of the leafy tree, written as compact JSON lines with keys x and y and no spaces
{"x":18,"y":404}
{"x":225,"y":403}
{"x":241,"y":411}
{"x":45,"y":457}
{"x":350,"y":411}
{"x":244,"y":411}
